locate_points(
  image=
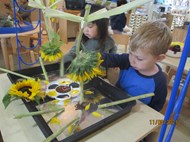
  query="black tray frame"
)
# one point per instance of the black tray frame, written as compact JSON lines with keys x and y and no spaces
{"x":108,"y":90}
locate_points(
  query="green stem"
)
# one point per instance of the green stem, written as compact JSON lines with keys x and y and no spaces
{"x":79,"y":40}
{"x":126,"y":100}
{"x":61,"y":73}
{"x":83,"y":23}
{"x":43,"y":69}
{"x":17,"y":74}
{"x":81,"y":92}
{"x":48,"y":28}
{"x":37,"y":113}
{"x":57,"y":133}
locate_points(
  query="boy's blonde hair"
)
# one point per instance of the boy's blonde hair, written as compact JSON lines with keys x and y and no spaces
{"x":152,"y":35}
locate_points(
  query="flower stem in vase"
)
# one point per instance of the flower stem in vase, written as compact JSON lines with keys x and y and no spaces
{"x":81,"y":93}
{"x":83,"y":23}
{"x":48,"y":28}
{"x":61,"y":73}
{"x":43,"y":69}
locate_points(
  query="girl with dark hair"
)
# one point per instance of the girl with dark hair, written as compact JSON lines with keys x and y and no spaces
{"x":95,"y":37}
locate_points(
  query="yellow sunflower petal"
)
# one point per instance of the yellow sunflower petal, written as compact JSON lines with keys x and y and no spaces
{"x":66,"y":102}
{"x":88,"y":92}
{"x":96,"y":114}
{"x":65,"y":82}
{"x":55,"y":120}
{"x":52,"y":93}
{"x":87,"y":107}
{"x":70,"y":129}
{"x":55,"y":101}
{"x":74,"y":92}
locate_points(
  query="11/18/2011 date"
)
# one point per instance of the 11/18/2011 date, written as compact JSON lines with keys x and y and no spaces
{"x":161,"y":121}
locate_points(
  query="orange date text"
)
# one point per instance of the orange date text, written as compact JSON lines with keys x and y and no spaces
{"x":161,"y":121}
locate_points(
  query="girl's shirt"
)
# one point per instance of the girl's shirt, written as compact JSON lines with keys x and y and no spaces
{"x":135,"y":84}
{"x":93,"y":45}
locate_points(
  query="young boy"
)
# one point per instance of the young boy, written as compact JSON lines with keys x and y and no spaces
{"x":139,"y":71}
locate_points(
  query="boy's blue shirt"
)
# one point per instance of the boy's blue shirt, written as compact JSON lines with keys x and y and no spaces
{"x":135,"y":84}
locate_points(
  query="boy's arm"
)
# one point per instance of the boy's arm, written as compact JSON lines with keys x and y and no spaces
{"x":159,"y":99}
{"x":115,"y":60}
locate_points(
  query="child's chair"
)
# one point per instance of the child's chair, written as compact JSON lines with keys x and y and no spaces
{"x":121,"y":39}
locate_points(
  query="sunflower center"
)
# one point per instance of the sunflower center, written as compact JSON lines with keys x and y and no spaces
{"x":25,"y":89}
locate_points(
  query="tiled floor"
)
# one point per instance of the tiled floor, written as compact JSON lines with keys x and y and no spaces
{"x":182,"y":130}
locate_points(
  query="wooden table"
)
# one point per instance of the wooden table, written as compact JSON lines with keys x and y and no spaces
{"x":171,"y":68}
{"x":174,"y":62}
{"x":4,"y":40}
{"x":131,"y":128}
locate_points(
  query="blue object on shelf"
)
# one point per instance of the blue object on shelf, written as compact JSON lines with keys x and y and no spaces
{"x":11,"y":30}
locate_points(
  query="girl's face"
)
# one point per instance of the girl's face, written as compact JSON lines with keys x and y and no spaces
{"x":143,"y":61}
{"x":91,"y":30}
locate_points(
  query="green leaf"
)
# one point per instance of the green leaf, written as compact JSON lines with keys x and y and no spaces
{"x":115,"y":11}
{"x":37,"y":99}
{"x":6,"y":100}
{"x":67,"y":16}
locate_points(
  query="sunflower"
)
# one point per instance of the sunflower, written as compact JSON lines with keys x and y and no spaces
{"x":50,"y":51}
{"x":29,"y":89}
{"x":86,"y":66}
{"x":49,"y":57}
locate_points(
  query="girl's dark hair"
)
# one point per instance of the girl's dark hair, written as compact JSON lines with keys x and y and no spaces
{"x":102,"y":25}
